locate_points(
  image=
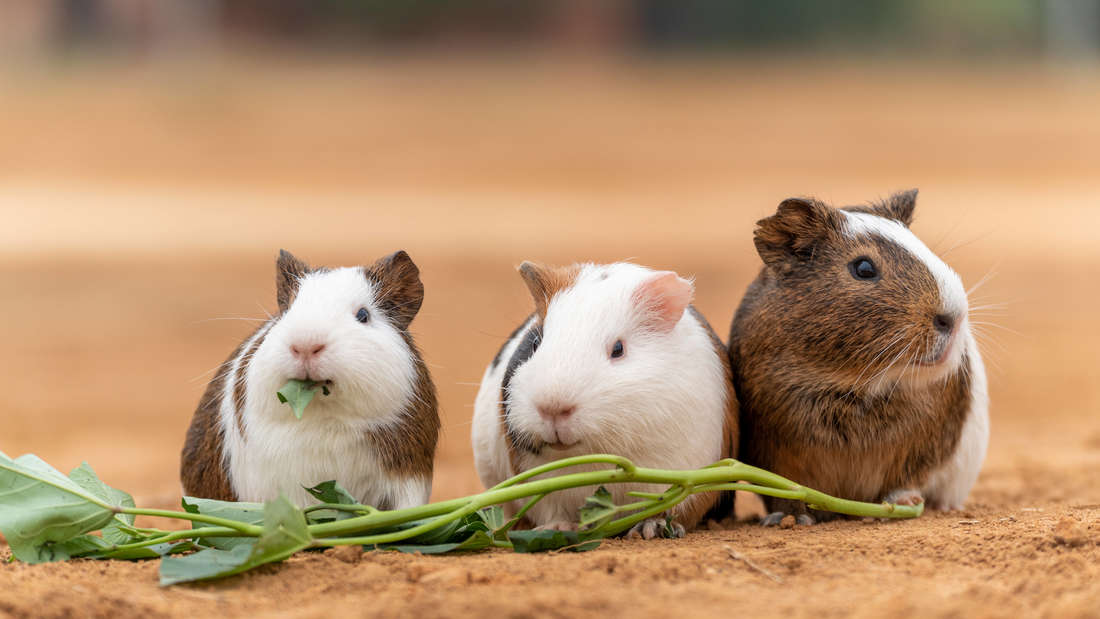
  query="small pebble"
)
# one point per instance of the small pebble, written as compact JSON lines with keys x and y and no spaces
{"x":787,"y":522}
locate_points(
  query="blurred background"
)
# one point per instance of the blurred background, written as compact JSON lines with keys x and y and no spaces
{"x":156,"y":154}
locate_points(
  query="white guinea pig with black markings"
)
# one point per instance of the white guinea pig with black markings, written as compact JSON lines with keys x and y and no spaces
{"x":614,"y":360}
{"x":374,"y":433}
{"x":854,"y":362}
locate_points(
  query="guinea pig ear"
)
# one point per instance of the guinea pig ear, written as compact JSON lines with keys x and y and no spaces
{"x":288,"y":274}
{"x":662,"y":298}
{"x":898,"y":207}
{"x":544,"y":282}
{"x":797,"y":228}
{"x":400,"y":292}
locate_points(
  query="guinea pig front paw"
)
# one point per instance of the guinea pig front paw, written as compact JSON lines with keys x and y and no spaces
{"x":656,"y":527}
{"x":905,"y":496}
{"x":784,"y":520}
{"x":558,"y":525}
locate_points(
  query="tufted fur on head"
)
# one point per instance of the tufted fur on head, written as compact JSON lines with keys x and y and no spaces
{"x":614,"y":360}
{"x":852,"y":353}
{"x":375,"y":433}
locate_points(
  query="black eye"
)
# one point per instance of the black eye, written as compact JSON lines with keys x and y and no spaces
{"x":863,"y":268}
{"x":362,"y":315}
{"x":617,"y":349}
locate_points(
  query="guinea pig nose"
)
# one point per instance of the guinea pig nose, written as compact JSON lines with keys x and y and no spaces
{"x":306,"y":350}
{"x":558,"y":411}
{"x":944,"y":323}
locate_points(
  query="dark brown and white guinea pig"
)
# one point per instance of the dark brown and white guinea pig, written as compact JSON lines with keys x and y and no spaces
{"x":854,"y":362}
{"x":614,"y":360}
{"x":375,"y":433}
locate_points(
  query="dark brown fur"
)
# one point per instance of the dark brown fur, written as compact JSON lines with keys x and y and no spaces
{"x":806,"y":343}
{"x":202,"y":470}
{"x":409,"y":448}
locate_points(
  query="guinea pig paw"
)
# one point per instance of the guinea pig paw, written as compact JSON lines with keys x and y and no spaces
{"x":651,"y":528}
{"x":558,"y":525}
{"x":905,"y":496}
{"x":773,"y":519}
{"x":805,"y":520}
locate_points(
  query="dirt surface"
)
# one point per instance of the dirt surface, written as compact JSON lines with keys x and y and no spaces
{"x":143,"y":209}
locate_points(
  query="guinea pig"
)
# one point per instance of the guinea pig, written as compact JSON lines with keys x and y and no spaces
{"x":613,"y":360}
{"x":374,"y":433}
{"x":854,"y":362}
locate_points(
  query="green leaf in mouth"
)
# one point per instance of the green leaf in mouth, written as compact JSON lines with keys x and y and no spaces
{"x":299,"y":393}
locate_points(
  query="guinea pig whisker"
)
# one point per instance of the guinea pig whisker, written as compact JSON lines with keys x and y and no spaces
{"x":856,"y":383}
{"x":983,"y":323}
{"x":908,"y":364}
{"x":990,"y":274}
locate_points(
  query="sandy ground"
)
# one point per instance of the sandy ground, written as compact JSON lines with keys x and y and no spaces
{"x":142,"y":210}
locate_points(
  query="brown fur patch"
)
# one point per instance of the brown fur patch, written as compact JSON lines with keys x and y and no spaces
{"x":288,"y":274}
{"x":898,"y":207}
{"x":400,"y":292}
{"x":202,"y":466}
{"x":806,"y":346}
{"x":409,"y":447}
{"x":544,"y":282}
{"x":240,"y":384}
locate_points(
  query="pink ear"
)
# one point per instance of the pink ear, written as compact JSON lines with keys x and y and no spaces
{"x":663,"y":297}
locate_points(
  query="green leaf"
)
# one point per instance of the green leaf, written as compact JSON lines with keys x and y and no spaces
{"x":492,"y":516}
{"x":250,"y":513}
{"x":478,"y":540}
{"x":285,"y":533}
{"x":331,"y":492}
{"x":40,"y":509}
{"x":298,"y":394}
{"x":114,"y":532}
{"x":542,"y":540}
{"x":598,"y":509}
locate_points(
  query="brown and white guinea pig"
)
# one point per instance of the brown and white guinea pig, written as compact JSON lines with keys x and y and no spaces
{"x":375,"y":433}
{"x":854,"y":362}
{"x":614,"y":360}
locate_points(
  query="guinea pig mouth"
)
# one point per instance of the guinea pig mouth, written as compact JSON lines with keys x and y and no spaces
{"x":560,"y":446}
{"x":940,"y":357}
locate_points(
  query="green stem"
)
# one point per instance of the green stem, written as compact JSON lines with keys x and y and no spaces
{"x":716,"y":477}
{"x":249,"y":530}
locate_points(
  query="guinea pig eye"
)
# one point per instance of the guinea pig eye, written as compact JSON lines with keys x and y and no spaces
{"x":863,"y":268}
{"x":617,"y":350}
{"x":362,"y":315}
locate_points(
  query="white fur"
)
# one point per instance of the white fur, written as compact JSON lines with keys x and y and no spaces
{"x":373,"y":375}
{"x":663,"y":404}
{"x":949,"y":485}
{"x":952,"y":293}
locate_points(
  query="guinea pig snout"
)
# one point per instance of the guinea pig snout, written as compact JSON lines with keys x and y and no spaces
{"x":944,"y":322}
{"x":554,"y":411}
{"x":306,"y":350}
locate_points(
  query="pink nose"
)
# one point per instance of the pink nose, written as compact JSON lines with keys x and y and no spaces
{"x":557,"y":411}
{"x":305,"y":352}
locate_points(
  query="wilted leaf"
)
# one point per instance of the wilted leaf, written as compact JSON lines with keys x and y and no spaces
{"x":298,"y":394}
{"x":40,"y":508}
{"x":542,"y":540}
{"x":285,"y":533}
